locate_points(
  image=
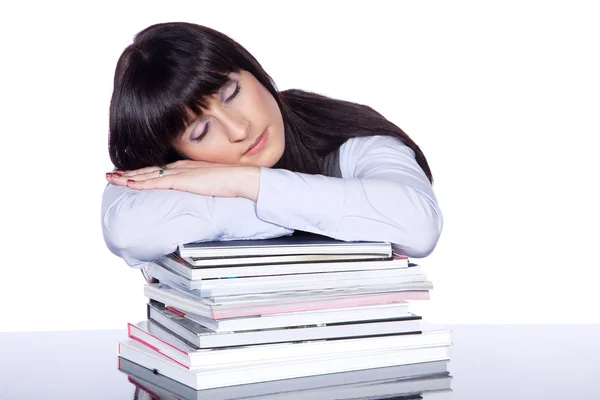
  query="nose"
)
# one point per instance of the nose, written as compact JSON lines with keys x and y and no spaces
{"x":236,"y":126}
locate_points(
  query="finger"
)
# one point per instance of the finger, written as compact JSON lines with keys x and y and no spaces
{"x":141,"y":171}
{"x":156,"y":174}
{"x":191,"y":164}
{"x":132,"y":172}
{"x":164,"y":182}
{"x":121,"y":180}
{"x":116,"y":179}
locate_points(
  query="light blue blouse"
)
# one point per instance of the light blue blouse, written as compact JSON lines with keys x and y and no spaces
{"x":383,"y":195}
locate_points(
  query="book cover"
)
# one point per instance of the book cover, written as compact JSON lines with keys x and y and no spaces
{"x":156,"y":338}
{"x":287,"y":245}
{"x":199,"y":336}
{"x":397,"y":381}
{"x":214,"y":377}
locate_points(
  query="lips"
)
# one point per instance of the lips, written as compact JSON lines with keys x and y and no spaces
{"x":258,"y":144}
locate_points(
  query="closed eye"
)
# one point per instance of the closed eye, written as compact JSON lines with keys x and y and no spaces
{"x":235,"y":92}
{"x":199,"y":138}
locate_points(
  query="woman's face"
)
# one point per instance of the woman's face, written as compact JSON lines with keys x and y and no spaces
{"x":242,"y":126}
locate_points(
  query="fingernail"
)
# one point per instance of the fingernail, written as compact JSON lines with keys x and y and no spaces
{"x":130,"y":181}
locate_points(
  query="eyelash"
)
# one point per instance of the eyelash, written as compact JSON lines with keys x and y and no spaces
{"x":235,"y":92}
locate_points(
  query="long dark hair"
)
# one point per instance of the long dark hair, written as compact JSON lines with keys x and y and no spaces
{"x":170,"y":71}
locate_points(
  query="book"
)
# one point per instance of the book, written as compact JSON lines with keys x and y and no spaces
{"x":279,"y":283}
{"x":175,"y":298}
{"x":207,"y":306}
{"x":282,"y":259}
{"x":410,"y":291}
{"x":239,"y":286}
{"x":402,"y":381}
{"x":201,"y":337}
{"x":397,"y":381}
{"x":193,"y":309}
{"x":164,"y":273}
{"x":281,"y":246}
{"x":186,"y":269}
{"x":349,"y":314}
{"x":213,"y":377}
{"x":154,"y":337}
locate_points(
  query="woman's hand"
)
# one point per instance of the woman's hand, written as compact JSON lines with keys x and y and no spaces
{"x":198,"y":177}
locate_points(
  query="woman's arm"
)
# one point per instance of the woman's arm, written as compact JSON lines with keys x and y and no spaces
{"x":384,"y":195}
{"x":140,"y":226}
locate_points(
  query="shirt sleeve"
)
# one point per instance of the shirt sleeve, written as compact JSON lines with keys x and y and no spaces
{"x":383,"y":195}
{"x":140,"y":226}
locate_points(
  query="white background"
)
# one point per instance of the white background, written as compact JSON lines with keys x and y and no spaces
{"x":503,"y":99}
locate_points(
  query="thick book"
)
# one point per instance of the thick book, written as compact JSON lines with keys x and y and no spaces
{"x":392,"y":382}
{"x":156,"y":338}
{"x":284,"y":246}
{"x":213,"y":377}
{"x":201,"y":337}
{"x":194,"y":272}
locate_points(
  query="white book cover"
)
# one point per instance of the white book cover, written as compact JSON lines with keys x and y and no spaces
{"x":202,"y":337}
{"x":236,"y":287}
{"x":183,"y":301}
{"x":408,"y":291}
{"x":155,"y":338}
{"x":286,"y":245}
{"x":165,"y":274}
{"x":337,"y":315}
{"x":403,"y":274}
{"x":186,"y":267}
{"x":273,"y":307}
{"x":213,"y":377}
{"x":282,"y":275}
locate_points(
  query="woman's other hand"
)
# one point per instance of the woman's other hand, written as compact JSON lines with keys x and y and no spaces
{"x":198,"y":177}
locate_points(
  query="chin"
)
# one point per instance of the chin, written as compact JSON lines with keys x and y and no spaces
{"x":269,"y":157}
{"x":274,"y":159}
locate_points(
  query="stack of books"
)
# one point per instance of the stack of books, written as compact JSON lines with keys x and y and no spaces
{"x":287,"y":315}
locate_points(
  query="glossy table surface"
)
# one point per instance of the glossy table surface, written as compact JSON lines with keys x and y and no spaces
{"x":486,"y":362}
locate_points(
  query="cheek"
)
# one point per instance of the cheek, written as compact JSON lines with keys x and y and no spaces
{"x":263,"y":102}
{"x":216,"y":155}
